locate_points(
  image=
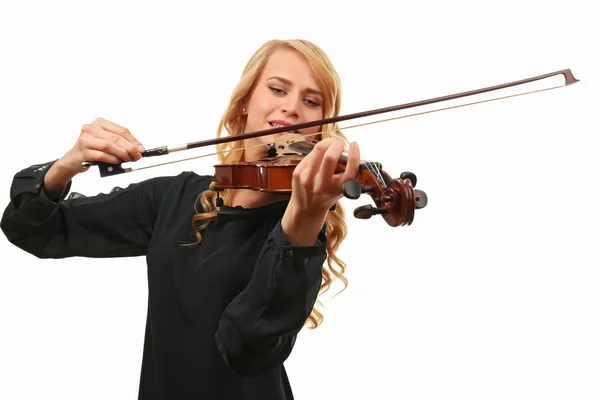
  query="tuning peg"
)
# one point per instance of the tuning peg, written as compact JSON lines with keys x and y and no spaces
{"x":410,"y":176}
{"x":420,"y":199}
{"x":353,"y":189}
{"x":367,"y":211}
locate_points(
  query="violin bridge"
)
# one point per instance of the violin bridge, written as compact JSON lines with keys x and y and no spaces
{"x":281,"y":145}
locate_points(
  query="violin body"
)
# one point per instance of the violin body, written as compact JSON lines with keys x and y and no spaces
{"x":394,"y":199}
{"x":270,"y":174}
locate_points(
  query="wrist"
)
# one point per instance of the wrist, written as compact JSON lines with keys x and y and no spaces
{"x":301,"y":226}
{"x":59,"y":175}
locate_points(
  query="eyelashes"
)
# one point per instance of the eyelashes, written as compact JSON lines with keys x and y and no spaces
{"x":276,"y":90}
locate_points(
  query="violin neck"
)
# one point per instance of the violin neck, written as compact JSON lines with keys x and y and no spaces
{"x":306,"y":147}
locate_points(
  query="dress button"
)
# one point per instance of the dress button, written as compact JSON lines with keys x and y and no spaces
{"x":289,"y":253}
{"x":37,"y":185}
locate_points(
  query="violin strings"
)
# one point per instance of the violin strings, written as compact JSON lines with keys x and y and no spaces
{"x":358,"y":125}
{"x":376,"y":172}
{"x":381,"y":180}
{"x":216,"y":153}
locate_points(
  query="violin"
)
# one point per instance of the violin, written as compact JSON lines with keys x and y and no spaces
{"x":395,"y":199}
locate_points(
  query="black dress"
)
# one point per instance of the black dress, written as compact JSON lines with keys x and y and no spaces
{"x":222,"y":315}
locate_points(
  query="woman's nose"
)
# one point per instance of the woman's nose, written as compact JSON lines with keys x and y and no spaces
{"x":290,"y":105}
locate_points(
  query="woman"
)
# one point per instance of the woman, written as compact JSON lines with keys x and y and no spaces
{"x":227,"y":296}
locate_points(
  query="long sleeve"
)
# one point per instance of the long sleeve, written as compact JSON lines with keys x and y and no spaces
{"x":116,"y":224}
{"x":258,"y":329}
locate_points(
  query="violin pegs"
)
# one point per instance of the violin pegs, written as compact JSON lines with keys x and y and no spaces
{"x":410,"y":176}
{"x":420,"y":199}
{"x":353,"y":189}
{"x":367,"y":211}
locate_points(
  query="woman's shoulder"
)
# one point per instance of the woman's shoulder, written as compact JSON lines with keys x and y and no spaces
{"x":193,"y":179}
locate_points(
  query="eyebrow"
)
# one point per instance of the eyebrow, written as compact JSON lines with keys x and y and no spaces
{"x":288,"y":82}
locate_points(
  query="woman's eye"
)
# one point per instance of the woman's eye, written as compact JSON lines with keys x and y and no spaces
{"x":279,"y":92}
{"x":275,"y":90}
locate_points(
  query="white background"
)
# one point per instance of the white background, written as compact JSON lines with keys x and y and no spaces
{"x":492,"y":293}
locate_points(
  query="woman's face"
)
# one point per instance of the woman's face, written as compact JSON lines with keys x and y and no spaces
{"x":285,"y":93}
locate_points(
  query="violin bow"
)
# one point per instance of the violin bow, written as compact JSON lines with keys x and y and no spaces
{"x":115,"y":169}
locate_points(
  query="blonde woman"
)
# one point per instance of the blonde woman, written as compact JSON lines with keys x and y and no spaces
{"x":226,"y":298}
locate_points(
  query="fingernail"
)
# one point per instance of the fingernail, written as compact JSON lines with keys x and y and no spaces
{"x":141,"y":148}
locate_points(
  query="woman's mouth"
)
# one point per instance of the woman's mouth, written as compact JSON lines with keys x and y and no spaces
{"x":278,"y":125}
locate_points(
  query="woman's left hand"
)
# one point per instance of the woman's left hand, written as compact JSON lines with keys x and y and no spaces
{"x":316,"y":188}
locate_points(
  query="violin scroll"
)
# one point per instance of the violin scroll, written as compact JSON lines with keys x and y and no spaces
{"x":395,"y":199}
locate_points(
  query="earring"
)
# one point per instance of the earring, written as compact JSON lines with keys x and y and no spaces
{"x":244,"y":109}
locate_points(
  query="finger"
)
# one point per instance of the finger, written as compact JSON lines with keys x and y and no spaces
{"x":106,"y":146}
{"x":324,"y":181}
{"x":122,"y":131}
{"x":111,"y":126}
{"x":130,"y":148}
{"x":96,"y":155}
{"x":330,"y":160}
{"x":353,"y":163}
{"x":110,"y":131}
{"x":312,"y":162}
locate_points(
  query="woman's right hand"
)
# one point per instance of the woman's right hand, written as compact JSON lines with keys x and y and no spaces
{"x":102,"y":141}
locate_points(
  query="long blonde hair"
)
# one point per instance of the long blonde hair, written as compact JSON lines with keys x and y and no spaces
{"x":234,"y":123}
